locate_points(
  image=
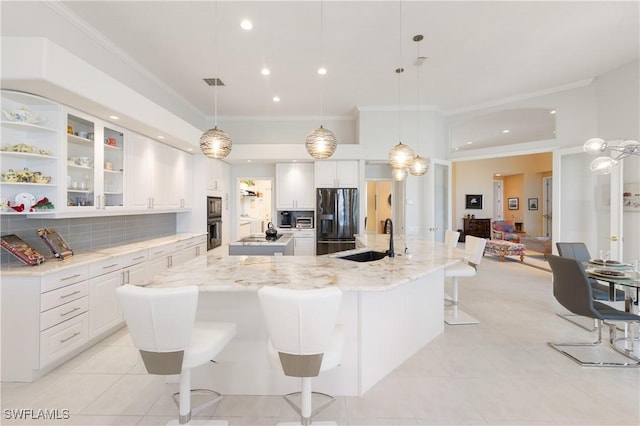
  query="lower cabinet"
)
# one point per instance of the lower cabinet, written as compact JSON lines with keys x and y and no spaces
{"x":47,"y":318}
{"x":104,"y":309}
{"x":304,"y":246}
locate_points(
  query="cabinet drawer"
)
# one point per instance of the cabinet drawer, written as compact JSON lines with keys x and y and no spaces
{"x":62,"y":313}
{"x":135,"y":258}
{"x":105,"y":266}
{"x":63,"y":295}
{"x":62,"y":278}
{"x":63,"y":338}
{"x":160,"y":251}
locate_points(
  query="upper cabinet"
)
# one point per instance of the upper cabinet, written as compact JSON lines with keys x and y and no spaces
{"x":294,"y":186}
{"x":29,"y":153}
{"x":336,"y":174}
{"x":160,"y":176}
{"x":60,"y":162}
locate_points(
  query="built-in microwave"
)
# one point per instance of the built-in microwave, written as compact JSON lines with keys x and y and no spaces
{"x":304,"y":222}
{"x":214,"y":207}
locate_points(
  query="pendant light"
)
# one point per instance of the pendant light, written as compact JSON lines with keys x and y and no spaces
{"x":215,"y":143}
{"x":400,"y":155}
{"x":321,"y":143}
{"x":419,"y":166}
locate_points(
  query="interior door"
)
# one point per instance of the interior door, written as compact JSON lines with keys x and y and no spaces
{"x":588,"y":206}
{"x":438,"y":199}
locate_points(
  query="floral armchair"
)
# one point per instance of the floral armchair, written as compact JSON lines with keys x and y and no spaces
{"x":506,"y":230}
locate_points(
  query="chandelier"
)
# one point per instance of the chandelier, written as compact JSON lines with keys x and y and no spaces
{"x":603,"y":165}
{"x":215,"y":143}
{"x":321,"y":143}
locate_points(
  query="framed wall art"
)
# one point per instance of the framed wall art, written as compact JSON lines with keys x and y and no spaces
{"x":473,"y":201}
{"x":533,"y":204}
{"x":513,"y":203}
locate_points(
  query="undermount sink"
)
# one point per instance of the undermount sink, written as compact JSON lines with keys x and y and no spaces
{"x":365,"y":256}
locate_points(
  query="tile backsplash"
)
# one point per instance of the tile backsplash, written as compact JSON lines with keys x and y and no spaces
{"x":87,"y":233}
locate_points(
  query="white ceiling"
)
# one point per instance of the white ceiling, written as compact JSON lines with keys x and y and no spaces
{"x":478,"y":52}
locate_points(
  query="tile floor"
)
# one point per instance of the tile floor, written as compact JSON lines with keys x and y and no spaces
{"x":498,"y":372}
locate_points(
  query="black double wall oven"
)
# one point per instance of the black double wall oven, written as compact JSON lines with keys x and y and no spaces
{"x":214,"y":222}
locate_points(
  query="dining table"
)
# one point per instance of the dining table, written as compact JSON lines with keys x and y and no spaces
{"x":616,"y":273}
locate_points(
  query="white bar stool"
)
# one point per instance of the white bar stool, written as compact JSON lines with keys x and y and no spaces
{"x":304,"y":339}
{"x":163,"y":327}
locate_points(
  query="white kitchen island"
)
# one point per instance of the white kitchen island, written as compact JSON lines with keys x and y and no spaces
{"x":391,"y":308}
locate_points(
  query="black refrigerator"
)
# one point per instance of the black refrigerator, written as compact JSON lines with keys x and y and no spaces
{"x":336,"y":219}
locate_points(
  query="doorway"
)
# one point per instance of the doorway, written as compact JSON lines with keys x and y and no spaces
{"x":379,"y":205}
{"x":255,"y":206}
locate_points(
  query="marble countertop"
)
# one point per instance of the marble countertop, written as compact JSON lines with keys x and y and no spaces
{"x":238,"y":273}
{"x":86,"y":257}
{"x":260,"y":240}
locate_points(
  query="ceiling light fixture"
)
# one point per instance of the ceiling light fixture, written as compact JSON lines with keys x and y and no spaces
{"x":321,"y":143}
{"x":265,"y":71}
{"x":114,"y":117}
{"x":505,"y":131}
{"x":419,"y":166}
{"x":276,"y":99}
{"x":246,"y":24}
{"x":603,"y":165}
{"x":215,"y":143}
{"x":400,"y":155}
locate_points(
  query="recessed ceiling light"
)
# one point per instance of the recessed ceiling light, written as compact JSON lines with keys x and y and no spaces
{"x":265,"y":71}
{"x":505,"y":131}
{"x":498,"y":174}
{"x":469,"y":143}
{"x":276,"y":99}
{"x":322,"y":70}
{"x":114,"y":117}
{"x":553,"y":111}
{"x":248,"y":161}
{"x":190,"y":149}
{"x":160,"y":137}
{"x":246,"y":24}
{"x":457,"y":148}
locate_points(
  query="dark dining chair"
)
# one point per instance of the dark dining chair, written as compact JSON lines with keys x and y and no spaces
{"x":571,"y":287}
{"x":580,"y":252}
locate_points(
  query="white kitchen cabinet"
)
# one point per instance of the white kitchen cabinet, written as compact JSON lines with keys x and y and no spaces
{"x":162,"y":177}
{"x":30,"y":144}
{"x":134,"y":269}
{"x":104,"y":309}
{"x":294,"y":186}
{"x":336,"y":174}
{"x":304,"y":245}
{"x":245,"y":230}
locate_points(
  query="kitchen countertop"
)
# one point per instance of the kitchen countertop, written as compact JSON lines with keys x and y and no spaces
{"x":248,"y":273}
{"x":79,"y":259}
{"x":262,"y":241}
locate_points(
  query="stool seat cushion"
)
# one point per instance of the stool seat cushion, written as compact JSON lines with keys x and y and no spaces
{"x":460,"y":270}
{"x":207,"y":340}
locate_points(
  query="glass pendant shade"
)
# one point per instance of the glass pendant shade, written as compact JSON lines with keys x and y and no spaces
{"x":401,"y":156}
{"x":594,"y":145}
{"x":419,"y":166}
{"x":603,"y":165}
{"x":399,"y":174}
{"x":321,"y":143}
{"x":215,"y":143}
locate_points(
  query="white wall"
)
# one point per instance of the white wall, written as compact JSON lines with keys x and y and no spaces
{"x":618,"y":102}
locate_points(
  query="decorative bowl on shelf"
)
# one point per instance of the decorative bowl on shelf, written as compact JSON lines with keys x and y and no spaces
{"x":22,"y":115}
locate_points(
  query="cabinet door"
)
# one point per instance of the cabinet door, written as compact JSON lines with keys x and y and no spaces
{"x":136,"y":274}
{"x":305,"y":193}
{"x":137,"y":190}
{"x":285,"y":186}
{"x":104,"y":310}
{"x":178,"y":184}
{"x":83,"y":182}
{"x":325,"y":174}
{"x":304,"y":246}
{"x":347,"y":174}
{"x":159,"y":264}
{"x":158,"y":163}
{"x":113,"y":168}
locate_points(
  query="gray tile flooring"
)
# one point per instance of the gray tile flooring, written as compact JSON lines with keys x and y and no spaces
{"x":498,"y":372}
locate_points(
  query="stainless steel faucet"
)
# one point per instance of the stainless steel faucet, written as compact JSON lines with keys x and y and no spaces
{"x":390,"y":252}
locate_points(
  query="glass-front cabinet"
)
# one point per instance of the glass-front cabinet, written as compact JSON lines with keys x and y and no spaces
{"x":29,"y":154}
{"x":95,"y":163}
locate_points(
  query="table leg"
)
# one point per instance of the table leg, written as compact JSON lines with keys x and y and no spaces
{"x":522,"y":257}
